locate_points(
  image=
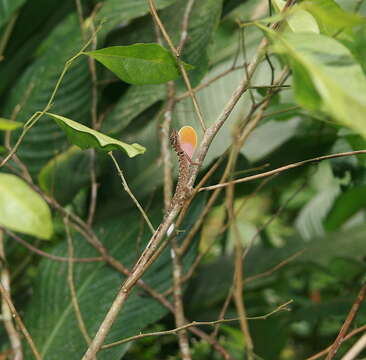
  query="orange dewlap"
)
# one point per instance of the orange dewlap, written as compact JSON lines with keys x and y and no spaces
{"x":188,"y":140}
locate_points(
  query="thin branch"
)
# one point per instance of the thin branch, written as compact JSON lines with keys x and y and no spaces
{"x":347,"y":323}
{"x":70,"y":281}
{"x":16,"y":344}
{"x":165,"y":146}
{"x":209,"y":82}
{"x":6,"y":34}
{"x":94,"y":107}
{"x":184,"y":30}
{"x":178,"y":304}
{"x":274,"y":268}
{"x":176,"y":53}
{"x":325,"y":351}
{"x":129,"y":192}
{"x":20,"y":323}
{"x":45,"y":254}
{"x":284,"y":168}
{"x":356,"y":348}
{"x":238,"y":273}
{"x":283,"y":307}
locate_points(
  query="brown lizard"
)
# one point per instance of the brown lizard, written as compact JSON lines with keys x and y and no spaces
{"x":181,"y":190}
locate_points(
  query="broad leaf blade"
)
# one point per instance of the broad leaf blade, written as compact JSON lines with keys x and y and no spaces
{"x":331,"y":17}
{"x":336,"y":82}
{"x":139,"y":63}
{"x":85,"y":137}
{"x":22,"y":209}
{"x":8,"y":125}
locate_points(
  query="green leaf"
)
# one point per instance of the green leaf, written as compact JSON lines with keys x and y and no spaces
{"x":22,"y":209}
{"x":8,"y":125}
{"x":139,"y":63}
{"x":85,"y":137}
{"x":346,"y":205}
{"x":8,"y":8}
{"x":331,"y":17}
{"x":335,"y":82}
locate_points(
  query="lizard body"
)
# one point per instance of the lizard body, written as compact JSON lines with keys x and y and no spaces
{"x":184,"y":167}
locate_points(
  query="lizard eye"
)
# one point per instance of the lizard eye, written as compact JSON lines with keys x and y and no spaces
{"x":187,"y":137}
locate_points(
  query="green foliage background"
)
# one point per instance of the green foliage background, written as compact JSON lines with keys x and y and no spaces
{"x":322,"y":217}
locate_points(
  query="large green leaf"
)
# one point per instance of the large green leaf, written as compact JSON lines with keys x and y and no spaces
{"x":331,"y":17}
{"x":85,"y":137}
{"x":335,"y":82}
{"x":51,"y":318}
{"x":139,"y":64}
{"x":8,"y":8}
{"x":22,"y":209}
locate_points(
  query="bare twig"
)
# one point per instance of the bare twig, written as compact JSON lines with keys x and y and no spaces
{"x":283,"y":307}
{"x":177,"y":55}
{"x":274,"y":268}
{"x":209,"y":82}
{"x":16,"y":344}
{"x":47,"y":255}
{"x":129,"y":192}
{"x":325,"y":351}
{"x":284,"y":168}
{"x":356,"y":348}
{"x":70,"y":280}
{"x":238,"y":273}
{"x":6,"y":34}
{"x":94,"y":107}
{"x":178,"y":304}
{"x":347,"y":323}
{"x":165,"y":146}
{"x":185,"y":22}
{"x":19,"y":321}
